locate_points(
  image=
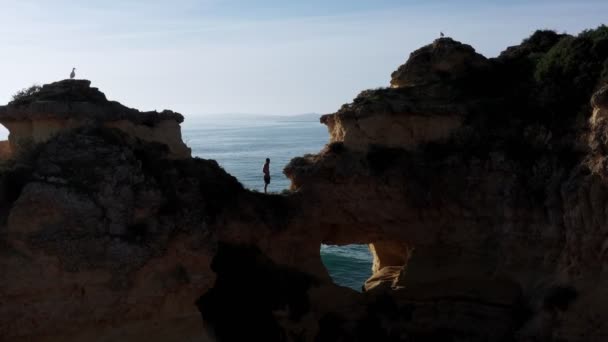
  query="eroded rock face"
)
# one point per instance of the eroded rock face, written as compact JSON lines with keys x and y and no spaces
{"x":70,"y":104}
{"x":485,"y":207}
{"x":489,"y":231}
{"x":394,"y":118}
{"x":107,"y":239}
{"x":430,"y":96}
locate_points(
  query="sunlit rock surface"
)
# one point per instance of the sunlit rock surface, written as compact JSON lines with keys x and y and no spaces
{"x":69,"y":104}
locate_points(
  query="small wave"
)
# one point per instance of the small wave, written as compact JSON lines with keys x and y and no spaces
{"x":347,"y":265}
{"x":359,"y":252}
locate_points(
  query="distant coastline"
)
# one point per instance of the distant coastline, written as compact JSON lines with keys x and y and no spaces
{"x":245,"y":116}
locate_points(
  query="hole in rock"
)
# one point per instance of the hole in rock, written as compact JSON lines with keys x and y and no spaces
{"x":348,"y":265}
{"x":5,"y":149}
{"x":3,"y":133}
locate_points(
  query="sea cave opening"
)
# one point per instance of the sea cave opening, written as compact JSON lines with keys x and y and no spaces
{"x":348,"y":265}
{"x":3,"y":133}
{"x":5,"y":149}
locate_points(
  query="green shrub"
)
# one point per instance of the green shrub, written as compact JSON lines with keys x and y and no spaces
{"x":541,"y":41}
{"x":597,"y":35}
{"x":570,"y":71}
{"x":26,"y":92}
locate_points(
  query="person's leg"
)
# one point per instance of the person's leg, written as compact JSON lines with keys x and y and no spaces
{"x":265,"y":186}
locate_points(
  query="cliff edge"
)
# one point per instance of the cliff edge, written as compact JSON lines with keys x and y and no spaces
{"x":480,"y":186}
{"x":69,"y":104}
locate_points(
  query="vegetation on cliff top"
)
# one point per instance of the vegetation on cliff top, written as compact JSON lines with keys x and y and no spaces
{"x":527,"y":112}
{"x":572,"y":70}
{"x":548,"y":79}
{"x":26,"y":93}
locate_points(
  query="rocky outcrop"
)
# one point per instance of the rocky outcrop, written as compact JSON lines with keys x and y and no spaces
{"x":484,"y":206}
{"x":492,"y":230}
{"x":391,"y":117}
{"x":429,"y":98}
{"x":70,"y":104}
{"x":105,"y":238}
{"x":127,"y":244}
{"x":443,"y":60}
{"x":540,"y":41}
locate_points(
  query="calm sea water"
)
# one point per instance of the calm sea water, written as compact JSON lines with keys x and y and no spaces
{"x":240,"y":145}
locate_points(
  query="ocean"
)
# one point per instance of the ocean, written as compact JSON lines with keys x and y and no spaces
{"x":240,"y":144}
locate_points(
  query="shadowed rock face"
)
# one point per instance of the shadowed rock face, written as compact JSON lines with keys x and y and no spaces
{"x":599,"y":100}
{"x":444,"y":60}
{"x":484,"y":204}
{"x":103,"y":237}
{"x":271,"y":289}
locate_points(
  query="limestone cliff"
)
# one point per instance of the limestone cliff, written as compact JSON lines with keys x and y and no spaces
{"x":69,"y":104}
{"x":104,"y":238}
{"x":486,"y":210}
{"x":480,"y":185}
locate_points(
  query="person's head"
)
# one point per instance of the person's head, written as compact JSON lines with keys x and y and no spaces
{"x":268,"y":160}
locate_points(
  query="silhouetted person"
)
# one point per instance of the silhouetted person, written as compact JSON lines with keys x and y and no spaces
{"x":266,"y":170}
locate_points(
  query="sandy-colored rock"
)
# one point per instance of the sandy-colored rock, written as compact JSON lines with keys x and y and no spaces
{"x":483,"y":231}
{"x":401,"y":130}
{"x":104,"y":257}
{"x":485,"y":208}
{"x":166,"y":132}
{"x":70,"y":104}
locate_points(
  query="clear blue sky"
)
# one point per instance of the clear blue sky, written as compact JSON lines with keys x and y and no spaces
{"x":245,"y":56}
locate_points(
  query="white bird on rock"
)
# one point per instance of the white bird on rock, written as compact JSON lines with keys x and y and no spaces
{"x":73,"y":73}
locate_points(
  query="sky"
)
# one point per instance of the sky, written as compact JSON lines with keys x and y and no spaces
{"x":277,"y":57}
